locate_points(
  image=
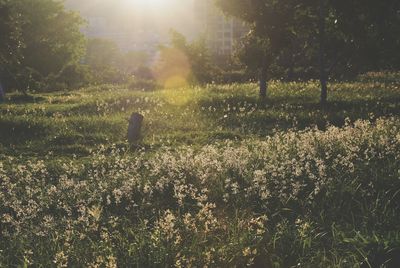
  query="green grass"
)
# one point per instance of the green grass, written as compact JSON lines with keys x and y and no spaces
{"x":220,"y":178}
{"x":82,"y":120}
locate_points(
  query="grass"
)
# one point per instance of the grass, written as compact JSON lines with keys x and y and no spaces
{"x":84,"y":119}
{"x":220,"y":178}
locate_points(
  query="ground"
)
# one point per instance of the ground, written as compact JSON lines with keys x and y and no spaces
{"x":220,"y":177}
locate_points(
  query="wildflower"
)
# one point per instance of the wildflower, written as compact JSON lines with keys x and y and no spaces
{"x":60,"y":259}
{"x":95,"y":212}
{"x":246,"y":252}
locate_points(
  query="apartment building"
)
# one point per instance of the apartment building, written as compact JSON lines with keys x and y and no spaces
{"x":127,"y":27}
{"x":221,"y":32}
{"x":132,"y":39}
{"x":133,"y":30}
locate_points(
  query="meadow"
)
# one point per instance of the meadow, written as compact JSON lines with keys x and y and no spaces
{"x":220,"y":178}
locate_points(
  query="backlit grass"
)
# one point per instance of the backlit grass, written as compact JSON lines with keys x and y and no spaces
{"x":220,"y":178}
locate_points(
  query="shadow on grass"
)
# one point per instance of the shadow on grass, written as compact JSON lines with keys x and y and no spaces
{"x":20,"y":131}
{"x":23,"y":99}
{"x":254,"y":116}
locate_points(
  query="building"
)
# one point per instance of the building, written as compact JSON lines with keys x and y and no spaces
{"x":127,"y":38}
{"x":134,"y":30}
{"x":127,"y":27}
{"x":220,"y":31}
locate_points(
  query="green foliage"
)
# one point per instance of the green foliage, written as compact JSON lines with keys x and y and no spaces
{"x":103,"y":57}
{"x":51,"y":36}
{"x":10,"y":40}
{"x":48,"y":39}
{"x":73,"y":76}
{"x":9,"y":32}
{"x":109,"y":65}
{"x":202,"y":69}
{"x":133,"y":62}
{"x":308,"y":39}
{"x":143,"y":72}
{"x":372,"y":29}
{"x":251,"y":52}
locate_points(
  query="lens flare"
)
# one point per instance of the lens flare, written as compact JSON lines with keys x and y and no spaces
{"x":172,"y":69}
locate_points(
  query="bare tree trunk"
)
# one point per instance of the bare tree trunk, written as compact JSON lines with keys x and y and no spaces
{"x":2,"y":94}
{"x":290,"y":74}
{"x":263,"y":78}
{"x":323,"y":76}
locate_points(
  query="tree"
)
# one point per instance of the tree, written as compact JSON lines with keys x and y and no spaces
{"x":10,"y":41}
{"x":198,"y":55}
{"x":271,"y":21}
{"x":351,"y":36}
{"x":183,"y":62}
{"x":372,"y":29}
{"x":101,"y":53}
{"x":322,"y":68}
{"x":103,"y":57}
{"x":51,"y":35}
{"x":48,"y":36}
{"x":132,"y":61}
{"x":253,"y":52}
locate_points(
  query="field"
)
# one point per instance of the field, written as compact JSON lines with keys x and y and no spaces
{"x":219,"y":179}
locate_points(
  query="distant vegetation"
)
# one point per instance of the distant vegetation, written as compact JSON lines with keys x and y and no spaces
{"x":318,"y":38}
{"x":43,"y":48}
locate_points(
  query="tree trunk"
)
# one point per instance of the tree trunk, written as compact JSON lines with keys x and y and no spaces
{"x":290,"y":74}
{"x":263,"y":79}
{"x":323,"y":76}
{"x":2,"y":94}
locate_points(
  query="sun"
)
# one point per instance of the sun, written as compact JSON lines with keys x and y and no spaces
{"x":148,"y":4}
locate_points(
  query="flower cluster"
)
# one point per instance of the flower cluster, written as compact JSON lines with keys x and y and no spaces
{"x":214,"y":206}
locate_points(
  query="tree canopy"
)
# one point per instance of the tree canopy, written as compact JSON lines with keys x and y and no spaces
{"x":41,"y":39}
{"x":349,"y":36}
{"x":10,"y":38}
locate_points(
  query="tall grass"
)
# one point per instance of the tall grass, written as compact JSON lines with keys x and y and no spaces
{"x":220,"y":178}
{"x":298,"y":198}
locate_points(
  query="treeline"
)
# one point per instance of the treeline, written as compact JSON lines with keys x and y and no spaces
{"x":42,"y":46}
{"x":318,"y":38}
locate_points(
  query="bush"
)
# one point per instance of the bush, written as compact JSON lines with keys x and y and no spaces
{"x":75,"y":76}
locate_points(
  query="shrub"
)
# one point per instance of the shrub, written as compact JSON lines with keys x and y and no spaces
{"x":75,"y":76}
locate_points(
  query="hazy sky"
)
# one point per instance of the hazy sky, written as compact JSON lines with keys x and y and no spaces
{"x":134,"y":15}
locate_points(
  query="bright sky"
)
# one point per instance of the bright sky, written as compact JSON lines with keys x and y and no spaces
{"x":162,"y":14}
{"x":152,"y":5}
